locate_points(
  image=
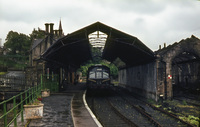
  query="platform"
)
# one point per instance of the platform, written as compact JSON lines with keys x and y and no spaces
{"x":66,"y":109}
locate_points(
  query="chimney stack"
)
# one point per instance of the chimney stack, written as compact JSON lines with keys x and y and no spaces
{"x":159,"y":47}
{"x":56,"y":32}
{"x":164,"y":45}
{"x":51,"y":28}
{"x":47,"y":27}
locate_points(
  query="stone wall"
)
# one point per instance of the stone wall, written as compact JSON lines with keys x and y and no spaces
{"x":186,"y":75}
{"x":122,"y":77}
{"x":170,"y":53}
{"x":140,"y":79}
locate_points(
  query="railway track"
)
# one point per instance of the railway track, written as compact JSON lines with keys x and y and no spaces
{"x":107,"y":115}
{"x":188,"y":100}
{"x":131,"y":111}
{"x":159,"y":115}
{"x":110,"y":112}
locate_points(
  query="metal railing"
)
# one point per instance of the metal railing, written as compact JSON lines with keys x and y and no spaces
{"x":50,"y":82}
{"x":13,"y":82}
{"x":9,"y":115}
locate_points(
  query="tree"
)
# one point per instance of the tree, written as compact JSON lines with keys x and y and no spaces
{"x":96,"y":55}
{"x":37,"y":34}
{"x":17,"y":43}
{"x":119,"y":63}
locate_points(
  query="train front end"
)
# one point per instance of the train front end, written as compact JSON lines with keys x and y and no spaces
{"x":98,"y":77}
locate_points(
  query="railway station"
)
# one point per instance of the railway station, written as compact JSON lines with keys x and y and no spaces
{"x":171,"y":71}
{"x":150,"y":74}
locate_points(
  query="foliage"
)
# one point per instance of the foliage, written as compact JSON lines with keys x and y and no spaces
{"x":151,"y":101}
{"x":96,"y":54}
{"x":17,"y":43}
{"x":184,"y":111}
{"x":119,"y":63}
{"x":191,"y":119}
{"x":184,"y":102}
{"x":113,"y":68}
{"x":45,"y":89}
{"x":3,"y":73}
{"x":35,"y":102}
{"x":13,"y":61}
{"x":97,"y":59}
{"x":18,"y":46}
{"x":37,"y":34}
{"x":20,"y":43}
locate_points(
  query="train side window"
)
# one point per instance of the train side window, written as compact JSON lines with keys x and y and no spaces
{"x":92,"y":75}
{"x":105,"y":75}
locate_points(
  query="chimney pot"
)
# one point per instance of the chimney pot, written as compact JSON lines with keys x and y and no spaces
{"x":164,"y":45}
{"x":159,"y":46}
{"x":47,"y":27}
{"x":56,"y":32}
{"x":51,"y":28}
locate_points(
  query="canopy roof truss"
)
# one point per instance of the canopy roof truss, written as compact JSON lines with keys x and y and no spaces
{"x":75,"y":49}
{"x":98,"y":39}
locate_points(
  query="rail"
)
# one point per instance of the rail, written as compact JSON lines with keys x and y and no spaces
{"x":8,"y":116}
{"x":128,"y":121}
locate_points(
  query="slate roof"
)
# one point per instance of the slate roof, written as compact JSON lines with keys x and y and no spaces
{"x":36,"y":42}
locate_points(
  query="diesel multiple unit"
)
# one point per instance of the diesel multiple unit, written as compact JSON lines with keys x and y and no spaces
{"x":98,"y":76}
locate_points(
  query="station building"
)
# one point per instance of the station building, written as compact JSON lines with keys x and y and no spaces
{"x":150,"y":74}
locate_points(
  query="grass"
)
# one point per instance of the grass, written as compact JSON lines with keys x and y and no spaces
{"x":10,"y":116}
{"x":191,"y":119}
{"x":116,"y":83}
{"x":157,"y":106}
{"x":151,"y":101}
{"x":184,"y":102}
{"x":3,"y":73}
{"x":186,"y":112}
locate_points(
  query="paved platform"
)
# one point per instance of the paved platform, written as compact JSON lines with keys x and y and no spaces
{"x":57,"y":112}
{"x":65,"y":109}
{"x":81,"y":116}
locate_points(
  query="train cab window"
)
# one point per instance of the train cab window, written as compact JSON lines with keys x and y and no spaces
{"x":99,"y":69}
{"x":92,"y":75}
{"x":98,"y":74}
{"x":105,"y":75}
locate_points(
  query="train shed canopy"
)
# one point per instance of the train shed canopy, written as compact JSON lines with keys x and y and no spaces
{"x":75,"y":48}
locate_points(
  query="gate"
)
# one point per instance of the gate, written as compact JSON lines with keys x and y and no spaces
{"x":50,"y":82}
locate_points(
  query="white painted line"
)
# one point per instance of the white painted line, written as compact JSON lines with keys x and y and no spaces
{"x":89,"y":110}
{"x":72,"y":112}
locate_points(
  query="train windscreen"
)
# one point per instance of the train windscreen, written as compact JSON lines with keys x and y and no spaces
{"x":105,"y":75}
{"x":98,"y":73}
{"x":92,"y":74}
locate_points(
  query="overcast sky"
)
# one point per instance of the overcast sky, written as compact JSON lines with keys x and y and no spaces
{"x":152,"y":21}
